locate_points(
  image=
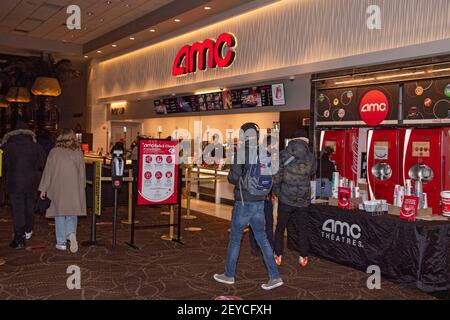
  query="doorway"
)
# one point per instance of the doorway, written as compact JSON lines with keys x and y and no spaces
{"x":125,"y":132}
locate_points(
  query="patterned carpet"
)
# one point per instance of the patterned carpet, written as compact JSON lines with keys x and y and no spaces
{"x":167,"y":270}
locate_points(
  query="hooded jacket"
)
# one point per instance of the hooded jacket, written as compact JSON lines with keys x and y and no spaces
{"x":292,"y":182}
{"x":24,"y":161}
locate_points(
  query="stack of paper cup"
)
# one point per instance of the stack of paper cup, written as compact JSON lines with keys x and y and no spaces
{"x":445,"y":196}
{"x":352,"y":188}
{"x":408,"y":187}
{"x":396,"y":192}
{"x":425,"y":200}
{"x":419,"y":193}
{"x":364,"y":196}
{"x":357,"y":194}
{"x":401,"y":196}
{"x":335,"y":185}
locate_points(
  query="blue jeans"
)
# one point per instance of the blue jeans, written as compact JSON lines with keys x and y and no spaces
{"x":244,"y":214}
{"x":268,"y":214}
{"x":64,"y":226}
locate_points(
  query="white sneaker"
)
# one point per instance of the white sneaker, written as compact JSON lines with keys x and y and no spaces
{"x":223,"y":279}
{"x":272,"y":284}
{"x":28,"y":235}
{"x":61,"y":247}
{"x":73,"y":243}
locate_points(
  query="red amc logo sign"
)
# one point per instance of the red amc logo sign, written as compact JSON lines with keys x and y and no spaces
{"x":374,"y":107}
{"x":201,"y":54}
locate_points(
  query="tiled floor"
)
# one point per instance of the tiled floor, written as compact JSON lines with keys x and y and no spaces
{"x":222,"y":211}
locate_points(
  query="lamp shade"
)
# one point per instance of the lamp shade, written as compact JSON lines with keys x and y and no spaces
{"x":44,"y":86}
{"x":3,"y":102}
{"x":18,"y":94}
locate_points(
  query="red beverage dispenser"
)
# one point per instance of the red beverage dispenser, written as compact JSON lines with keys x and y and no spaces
{"x":336,"y":140}
{"x":383,"y":163}
{"x":351,"y":154}
{"x":425,"y":158}
{"x":446,"y":156}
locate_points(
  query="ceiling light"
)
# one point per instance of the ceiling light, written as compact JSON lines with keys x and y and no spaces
{"x":86,"y":57}
{"x":127,"y":5}
{"x":355,"y":81}
{"x":114,"y":45}
{"x":400,"y":75}
{"x":207,"y":8}
{"x":118,"y":104}
{"x":208,"y":91}
{"x":101,"y":20}
{"x":108,"y":2}
{"x":439,"y":70}
{"x":132,"y":38}
{"x":152,"y":30}
{"x":99,"y":51}
{"x":89,"y":13}
{"x":177,"y":20}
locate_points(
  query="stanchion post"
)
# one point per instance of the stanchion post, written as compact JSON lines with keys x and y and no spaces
{"x":188,"y":215}
{"x":115,"y":220}
{"x":169,"y":237}
{"x":93,"y":240}
{"x":130,"y":199}
{"x":133,"y":205}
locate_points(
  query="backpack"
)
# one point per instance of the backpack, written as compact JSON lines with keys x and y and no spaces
{"x":257,"y":179}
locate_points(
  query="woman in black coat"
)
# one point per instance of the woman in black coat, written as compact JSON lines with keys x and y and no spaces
{"x":23,"y":162}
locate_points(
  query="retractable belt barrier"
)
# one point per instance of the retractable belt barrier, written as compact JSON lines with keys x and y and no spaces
{"x":98,"y":179}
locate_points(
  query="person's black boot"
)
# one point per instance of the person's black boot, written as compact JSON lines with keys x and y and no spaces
{"x":18,"y":243}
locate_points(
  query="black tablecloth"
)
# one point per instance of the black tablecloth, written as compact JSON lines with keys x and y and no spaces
{"x":410,"y":253}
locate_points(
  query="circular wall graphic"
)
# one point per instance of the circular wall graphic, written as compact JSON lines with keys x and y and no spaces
{"x":447,"y":90}
{"x":374,"y":107}
{"x":419,"y":91}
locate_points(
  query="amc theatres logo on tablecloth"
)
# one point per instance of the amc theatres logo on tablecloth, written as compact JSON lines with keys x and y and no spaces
{"x":342,"y":232}
{"x":209,"y":53}
{"x":374,"y":107}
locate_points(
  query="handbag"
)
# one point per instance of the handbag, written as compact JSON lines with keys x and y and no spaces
{"x":42,"y":205}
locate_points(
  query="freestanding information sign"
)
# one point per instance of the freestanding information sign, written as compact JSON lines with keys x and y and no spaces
{"x":157,"y":180}
{"x":158,"y":172}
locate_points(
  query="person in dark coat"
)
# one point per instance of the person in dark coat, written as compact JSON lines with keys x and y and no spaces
{"x":268,"y":214}
{"x":324,"y":173}
{"x":24,"y":161}
{"x":44,"y":139}
{"x":292,"y":186}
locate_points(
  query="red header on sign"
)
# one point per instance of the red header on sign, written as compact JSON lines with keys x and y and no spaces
{"x":158,"y":172}
{"x":207,"y":53}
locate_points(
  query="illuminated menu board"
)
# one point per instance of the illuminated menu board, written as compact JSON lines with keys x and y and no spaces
{"x":252,"y":97}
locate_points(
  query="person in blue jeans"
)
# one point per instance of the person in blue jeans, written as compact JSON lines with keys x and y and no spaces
{"x":268,"y":216}
{"x":248,"y":210}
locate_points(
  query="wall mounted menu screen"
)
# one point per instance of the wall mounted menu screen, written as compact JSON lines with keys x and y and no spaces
{"x":427,"y":101}
{"x":371,"y":106}
{"x":261,"y":96}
